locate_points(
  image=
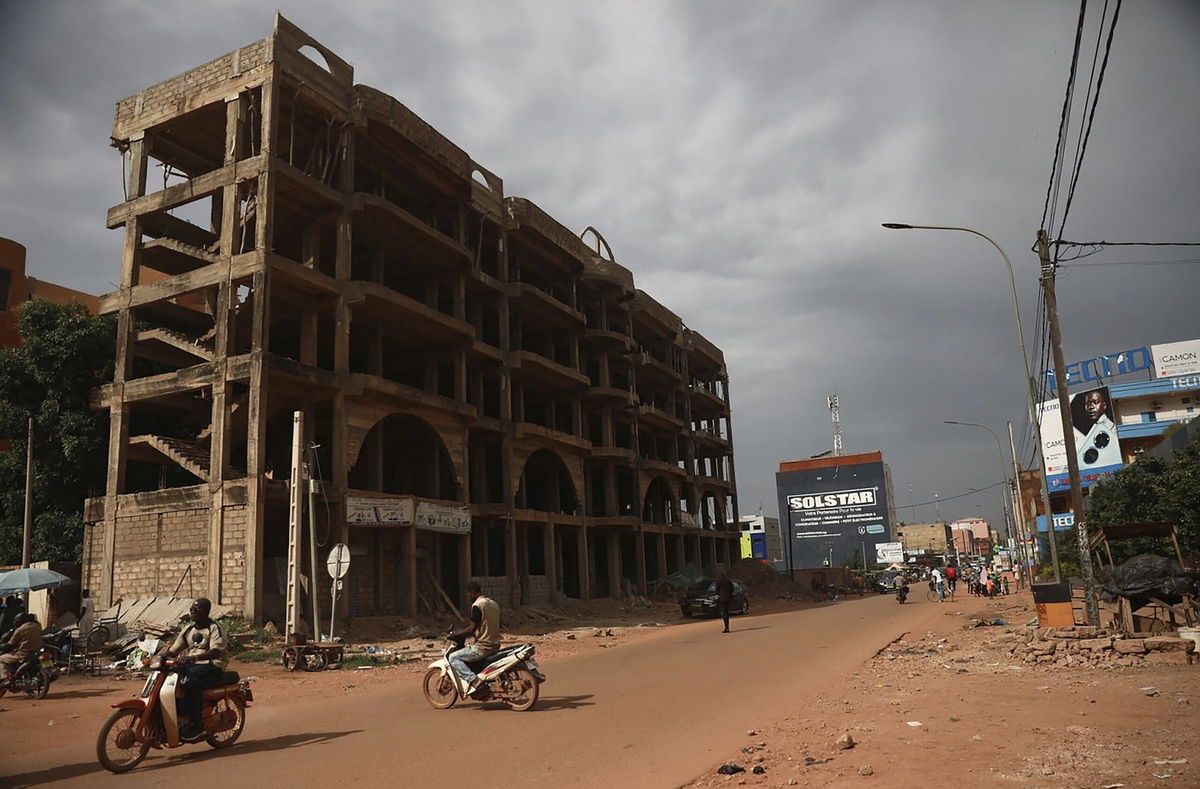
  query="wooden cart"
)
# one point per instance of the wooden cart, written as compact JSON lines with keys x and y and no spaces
{"x":312,"y":657}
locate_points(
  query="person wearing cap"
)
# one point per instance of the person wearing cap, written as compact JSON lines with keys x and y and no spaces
{"x":200,"y":650}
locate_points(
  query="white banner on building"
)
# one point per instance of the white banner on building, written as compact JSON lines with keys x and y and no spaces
{"x":452,"y":518}
{"x":1176,"y":358}
{"x":378,"y":510}
{"x":889,"y":552}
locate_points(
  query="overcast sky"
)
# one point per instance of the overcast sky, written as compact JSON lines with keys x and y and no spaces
{"x":739,"y":158}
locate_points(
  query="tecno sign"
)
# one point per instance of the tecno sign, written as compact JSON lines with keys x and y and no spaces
{"x":832,"y":501}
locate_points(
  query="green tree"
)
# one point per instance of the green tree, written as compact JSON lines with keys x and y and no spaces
{"x":65,"y":352}
{"x":1151,"y":490}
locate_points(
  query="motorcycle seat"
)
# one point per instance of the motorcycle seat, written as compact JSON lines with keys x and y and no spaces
{"x":228,"y":678}
{"x":497,"y":656}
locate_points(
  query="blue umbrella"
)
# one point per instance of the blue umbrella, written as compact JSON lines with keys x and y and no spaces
{"x":30,"y":579}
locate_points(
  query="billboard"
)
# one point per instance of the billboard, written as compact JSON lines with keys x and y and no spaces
{"x":889,"y":553}
{"x":833,"y":508}
{"x":1176,"y":358}
{"x":1096,"y":444}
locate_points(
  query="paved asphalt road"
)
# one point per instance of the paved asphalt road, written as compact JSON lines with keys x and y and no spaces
{"x":655,"y":711}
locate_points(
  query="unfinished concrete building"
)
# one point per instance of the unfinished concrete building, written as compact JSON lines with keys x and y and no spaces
{"x":487,"y":393}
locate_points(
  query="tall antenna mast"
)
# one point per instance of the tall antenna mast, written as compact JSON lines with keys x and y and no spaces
{"x":837,"y":424}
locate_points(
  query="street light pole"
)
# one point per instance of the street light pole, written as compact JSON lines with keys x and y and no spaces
{"x":1028,"y":385}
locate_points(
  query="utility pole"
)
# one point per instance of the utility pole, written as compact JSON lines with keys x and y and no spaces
{"x":1023,"y":548}
{"x":26,"y":539}
{"x":1064,"y":407}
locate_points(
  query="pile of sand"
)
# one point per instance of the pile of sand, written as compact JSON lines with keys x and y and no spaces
{"x":762,"y":581}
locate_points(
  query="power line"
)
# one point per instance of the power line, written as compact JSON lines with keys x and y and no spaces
{"x":1063,"y":123}
{"x":1189,"y":261}
{"x":941,"y":499}
{"x":1062,"y":243}
{"x":1112,"y":28}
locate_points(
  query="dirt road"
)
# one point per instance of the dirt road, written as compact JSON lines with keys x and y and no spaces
{"x":650,"y":711}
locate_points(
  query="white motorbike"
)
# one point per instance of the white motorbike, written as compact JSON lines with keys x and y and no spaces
{"x":510,"y":675}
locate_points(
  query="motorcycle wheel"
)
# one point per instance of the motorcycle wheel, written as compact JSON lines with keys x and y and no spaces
{"x":524,"y":689}
{"x":117,"y":746}
{"x":37,"y":684}
{"x":291,"y":657}
{"x":439,"y":690}
{"x":223,"y":739}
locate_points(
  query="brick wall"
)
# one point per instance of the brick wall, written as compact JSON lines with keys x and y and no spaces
{"x":154,"y":550}
{"x":177,"y":94}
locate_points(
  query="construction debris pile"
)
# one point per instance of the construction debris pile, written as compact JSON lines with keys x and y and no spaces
{"x":131,"y":629}
{"x":1094,"y":646}
{"x":762,"y":581}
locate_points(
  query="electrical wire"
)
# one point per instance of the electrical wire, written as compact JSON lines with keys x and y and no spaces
{"x":1112,"y":29}
{"x":1126,"y":243}
{"x":972,"y":492}
{"x":328,"y":513}
{"x":1188,"y":261}
{"x":1051,"y":204}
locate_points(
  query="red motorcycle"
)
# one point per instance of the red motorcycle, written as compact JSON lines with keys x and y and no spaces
{"x":152,"y":721}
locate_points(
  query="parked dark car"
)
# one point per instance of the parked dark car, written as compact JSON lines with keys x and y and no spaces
{"x":882,"y":583}
{"x":702,"y":600}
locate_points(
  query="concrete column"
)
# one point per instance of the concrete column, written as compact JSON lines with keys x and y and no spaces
{"x":640,"y":554}
{"x":585,"y":564}
{"x":551,"y":560}
{"x":614,"y":563}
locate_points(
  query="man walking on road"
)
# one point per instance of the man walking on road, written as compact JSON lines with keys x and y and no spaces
{"x":724,"y":598}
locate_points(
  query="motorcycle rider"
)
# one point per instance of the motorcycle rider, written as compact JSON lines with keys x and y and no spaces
{"x":25,"y":640}
{"x":199,"y":650}
{"x":901,"y":585}
{"x":485,"y":627}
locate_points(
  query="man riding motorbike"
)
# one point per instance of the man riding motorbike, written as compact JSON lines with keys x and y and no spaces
{"x":26,"y":640}
{"x":200,"y":651}
{"x":485,"y":626}
{"x":901,"y":585}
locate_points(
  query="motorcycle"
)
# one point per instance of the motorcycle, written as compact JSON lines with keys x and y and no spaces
{"x":152,"y":720}
{"x":510,"y":675}
{"x":32,"y":675}
{"x":59,"y":648}
{"x":901,"y":594}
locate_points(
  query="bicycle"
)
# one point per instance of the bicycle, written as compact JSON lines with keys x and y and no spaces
{"x":932,"y":594}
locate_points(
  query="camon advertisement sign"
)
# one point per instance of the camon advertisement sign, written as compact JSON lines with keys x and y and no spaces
{"x":833,"y":507}
{"x":1096,"y":444}
{"x":1176,"y":358}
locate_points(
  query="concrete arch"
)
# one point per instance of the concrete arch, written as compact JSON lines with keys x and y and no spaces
{"x":712,"y":514}
{"x":547,"y":484}
{"x":402,"y":453}
{"x":660,"y":504}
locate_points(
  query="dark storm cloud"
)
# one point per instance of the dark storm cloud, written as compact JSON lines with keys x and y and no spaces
{"x":739,"y":158}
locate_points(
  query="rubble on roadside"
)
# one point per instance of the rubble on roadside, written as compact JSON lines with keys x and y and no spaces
{"x":1096,"y":647}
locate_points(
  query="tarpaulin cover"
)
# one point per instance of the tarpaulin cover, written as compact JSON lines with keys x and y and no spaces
{"x":1146,"y":574}
{"x":684,"y":578}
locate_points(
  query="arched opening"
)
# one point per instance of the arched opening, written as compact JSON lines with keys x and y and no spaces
{"x":403,"y":454}
{"x":712,"y":511}
{"x":659,"y":506}
{"x":314,"y":54}
{"x":546,"y":485}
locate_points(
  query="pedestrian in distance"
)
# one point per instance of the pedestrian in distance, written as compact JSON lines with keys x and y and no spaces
{"x":724,"y":598}
{"x":952,"y":577}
